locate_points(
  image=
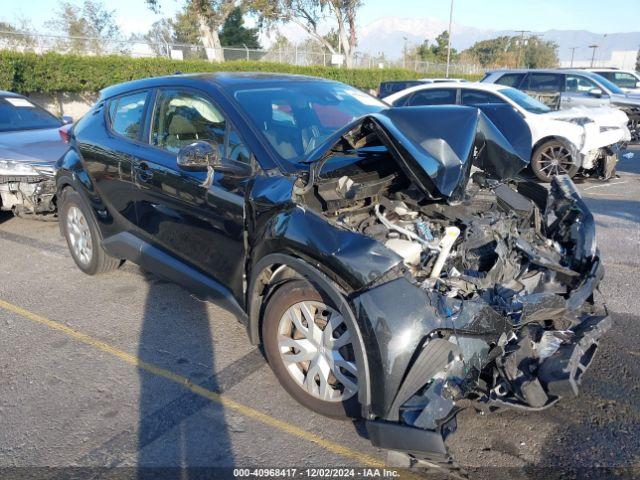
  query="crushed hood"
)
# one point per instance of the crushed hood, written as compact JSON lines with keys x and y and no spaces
{"x":436,"y":146}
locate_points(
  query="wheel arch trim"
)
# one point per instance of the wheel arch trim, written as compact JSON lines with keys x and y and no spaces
{"x":322,"y":281}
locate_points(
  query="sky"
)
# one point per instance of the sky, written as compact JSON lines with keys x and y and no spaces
{"x":537,"y":15}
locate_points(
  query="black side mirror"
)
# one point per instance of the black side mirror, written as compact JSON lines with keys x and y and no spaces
{"x":198,"y":156}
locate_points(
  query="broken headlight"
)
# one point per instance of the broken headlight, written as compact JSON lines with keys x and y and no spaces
{"x":11,"y":168}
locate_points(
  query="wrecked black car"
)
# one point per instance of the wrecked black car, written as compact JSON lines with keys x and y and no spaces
{"x":389,"y":261}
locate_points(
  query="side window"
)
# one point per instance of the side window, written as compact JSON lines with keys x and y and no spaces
{"x":476,"y":97}
{"x":441,"y":96}
{"x":181,"y":118}
{"x":510,"y":79}
{"x":578,"y":84}
{"x":125,"y":114}
{"x":236,"y":149}
{"x":625,"y":80}
{"x":544,"y":82}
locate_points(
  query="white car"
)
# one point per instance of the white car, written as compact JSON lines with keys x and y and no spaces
{"x":563,"y":142}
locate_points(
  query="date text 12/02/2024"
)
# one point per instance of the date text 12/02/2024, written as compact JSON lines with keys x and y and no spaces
{"x":316,"y":473}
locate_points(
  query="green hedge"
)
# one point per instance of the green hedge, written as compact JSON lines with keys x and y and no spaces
{"x":51,"y":72}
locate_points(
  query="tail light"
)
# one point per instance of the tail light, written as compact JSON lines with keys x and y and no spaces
{"x":65,"y":133}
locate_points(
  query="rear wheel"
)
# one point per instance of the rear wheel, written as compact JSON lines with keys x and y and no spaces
{"x":553,"y":158}
{"x":311,"y":350}
{"x":81,"y":233}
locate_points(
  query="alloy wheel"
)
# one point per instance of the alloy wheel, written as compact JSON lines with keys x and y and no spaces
{"x":555,"y":160}
{"x":316,"y":348}
{"x":634,"y":128}
{"x":79,"y":235}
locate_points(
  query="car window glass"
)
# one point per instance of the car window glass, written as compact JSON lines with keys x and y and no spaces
{"x":544,"y":82}
{"x":579,"y":84}
{"x":475,"y":97}
{"x":625,"y":80}
{"x":181,"y":118}
{"x":510,"y":79}
{"x":17,"y":113}
{"x":236,"y":149}
{"x":126,"y":114}
{"x":439,"y":96}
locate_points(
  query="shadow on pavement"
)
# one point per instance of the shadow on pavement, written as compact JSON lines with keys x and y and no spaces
{"x":172,"y":435}
{"x":4,"y":216}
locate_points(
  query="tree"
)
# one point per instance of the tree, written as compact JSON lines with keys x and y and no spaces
{"x":160,"y":37}
{"x":90,"y":28}
{"x":209,"y":15}
{"x":311,"y":14}
{"x":235,"y":34}
{"x":638,"y":62}
{"x":511,"y":52}
{"x":16,"y":38}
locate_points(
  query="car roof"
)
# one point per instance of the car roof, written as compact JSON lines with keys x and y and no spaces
{"x":224,"y":80}
{"x":487,"y":87}
{"x":538,"y":70}
{"x":5,"y":93}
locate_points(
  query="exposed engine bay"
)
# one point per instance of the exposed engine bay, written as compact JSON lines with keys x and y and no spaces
{"x":28,"y":195}
{"x":508,"y":272}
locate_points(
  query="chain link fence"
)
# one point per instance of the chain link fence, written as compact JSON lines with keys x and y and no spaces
{"x":137,"y":47}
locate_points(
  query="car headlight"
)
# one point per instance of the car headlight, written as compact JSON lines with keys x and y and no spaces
{"x":10,"y":168}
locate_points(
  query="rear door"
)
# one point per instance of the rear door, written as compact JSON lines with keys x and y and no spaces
{"x":197,"y":218}
{"x":577,"y":90}
{"x":110,"y":152}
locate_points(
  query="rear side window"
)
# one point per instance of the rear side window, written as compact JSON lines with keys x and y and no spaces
{"x":624,"y":80}
{"x":125,"y":114}
{"x":510,"y":79}
{"x":444,"y":96}
{"x":544,"y":82}
{"x":476,"y":97}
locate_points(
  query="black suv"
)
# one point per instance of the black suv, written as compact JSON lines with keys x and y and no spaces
{"x":382,"y":279}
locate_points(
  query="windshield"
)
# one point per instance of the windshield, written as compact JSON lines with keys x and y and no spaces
{"x":17,"y":113}
{"x":297,"y":118}
{"x":612,"y":87}
{"x":530,"y":104}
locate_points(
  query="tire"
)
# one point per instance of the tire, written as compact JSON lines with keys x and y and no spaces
{"x":81,"y":232}
{"x":283,"y":336}
{"x":553,"y":158}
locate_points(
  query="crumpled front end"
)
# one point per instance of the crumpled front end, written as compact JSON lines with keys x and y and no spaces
{"x":27,"y":189}
{"x":510,"y":321}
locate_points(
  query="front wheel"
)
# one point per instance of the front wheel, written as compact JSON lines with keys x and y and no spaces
{"x":311,"y":350}
{"x":81,"y":233}
{"x":553,"y":158}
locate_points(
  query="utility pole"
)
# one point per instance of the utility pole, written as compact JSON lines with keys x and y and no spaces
{"x":593,"y":55}
{"x":404,"y":53}
{"x":449,"y":40}
{"x":521,"y":32}
{"x":573,"y":51}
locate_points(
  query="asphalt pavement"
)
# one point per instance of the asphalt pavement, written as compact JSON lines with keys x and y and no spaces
{"x":127,"y":370}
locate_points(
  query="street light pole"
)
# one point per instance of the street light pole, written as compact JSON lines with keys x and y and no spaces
{"x":449,"y":42}
{"x":404,"y":53}
{"x":521,"y":32}
{"x":573,"y":51}
{"x":593,"y":55}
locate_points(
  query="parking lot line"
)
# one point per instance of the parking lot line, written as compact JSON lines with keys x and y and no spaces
{"x":215,"y":397}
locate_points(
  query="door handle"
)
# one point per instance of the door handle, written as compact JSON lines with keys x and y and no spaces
{"x":142,"y":171}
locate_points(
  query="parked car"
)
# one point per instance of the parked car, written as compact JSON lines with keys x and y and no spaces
{"x":387,"y":88}
{"x":627,"y":80}
{"x":563,"y":142}
{"x":562,"y":89}
{"x":382,"y":279}
{"x":30,"y":145}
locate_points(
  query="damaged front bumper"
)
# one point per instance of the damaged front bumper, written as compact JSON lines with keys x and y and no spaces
{"x":437,"y":354}
{"x":28,"y":195}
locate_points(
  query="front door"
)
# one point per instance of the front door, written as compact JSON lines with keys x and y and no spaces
{"x":578,"y":93}
{"x":194,"y":216}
